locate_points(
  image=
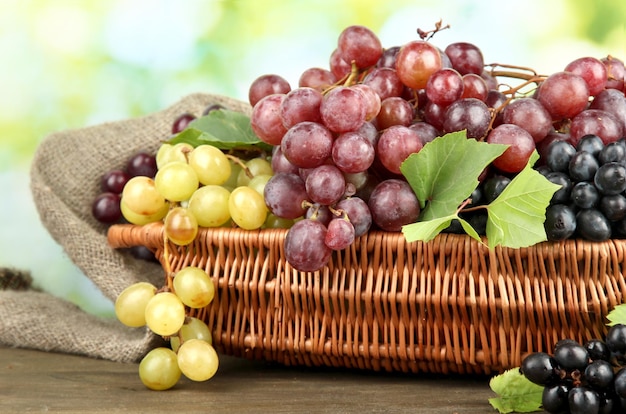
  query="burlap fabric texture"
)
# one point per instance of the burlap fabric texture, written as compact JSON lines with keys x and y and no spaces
{"x":65,"y":178}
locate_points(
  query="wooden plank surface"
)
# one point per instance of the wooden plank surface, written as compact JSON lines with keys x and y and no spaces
{"x":34,"y":381}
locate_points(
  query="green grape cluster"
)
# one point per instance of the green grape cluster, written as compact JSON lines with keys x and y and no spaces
{"x":165,"y":312}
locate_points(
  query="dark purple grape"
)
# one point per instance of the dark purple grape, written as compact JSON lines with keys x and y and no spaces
{"x":616,"y":340}
{"x":610,"y":178}
{"x":465,"y":57}
{"x":563,"y":194}
{"x":106,"y":208}
{"x":599,"y":374}
{"x":592,"y":225}
{"x":468,"y":114}
{"x":584,"y":195}
{"x":571,"y":356}
{"x":182,"y":121}
{"x":554,"y":398}
{"x":583,"y":400}
{"x":143,"y":253}
{"x":540,"y":368}
{"x":619,"y":383}
{"x":560,"y":223}
{"x":142,"y":164}
{"x":494,"y":186}
{"x":598,"y":349}
{"x":612,"y":152}
{"x":590,"y":143}
{"x":558,"y":155}
{"x":613,"y":207}
{"x":114,"y":181}
{"x":583,"y":167}
{"x":211,"y":108}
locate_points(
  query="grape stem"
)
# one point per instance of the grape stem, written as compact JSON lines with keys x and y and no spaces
{"x":427,"y":35}
{"x":243,"y":166}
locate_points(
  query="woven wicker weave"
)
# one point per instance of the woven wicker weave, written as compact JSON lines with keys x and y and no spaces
{"x":447,"y":306}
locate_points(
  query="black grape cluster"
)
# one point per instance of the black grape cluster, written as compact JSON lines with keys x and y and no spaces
{"x":591,"y":203}
{"x":588,"y":378}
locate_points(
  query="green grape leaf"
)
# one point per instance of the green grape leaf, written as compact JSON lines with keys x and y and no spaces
{"x":515,"y":393}
{"x":516,"y":218}
{"x":427,"y":230}
{"x":617,"y":315}
{"x":444,"y":173}
{"x":222,"y":128}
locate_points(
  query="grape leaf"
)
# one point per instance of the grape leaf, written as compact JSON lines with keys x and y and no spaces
{"x":515,"y":393}
{"x":427,"y":230}
{"x":224,"y":129}
{"x":445,"y":172}
{"x":516,"y":217}
{"x":617,"y":315}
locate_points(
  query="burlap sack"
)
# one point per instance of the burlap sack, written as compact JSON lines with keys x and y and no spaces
{"x":65,"y":178}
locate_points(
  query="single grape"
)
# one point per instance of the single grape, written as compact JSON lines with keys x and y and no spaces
{"x":564,"y":95}
{"x":385,"y":82}
{"x":563,"y":194}
{"x":176,"y":181}
{"x":394,"y":111}
{"x":265,"y":119}
{"x":521,"y":146}
{"x":358,"y":212}
{"x":130,"y":305}
{"x":540,"y":368}
{"x":169,"y":153}
{"x":180,"y":226}
{"x":615,"y":72}
{"x":474,"y":86}
{"x":340,"y":234}
{"x":106,"y":208}
{"x":158,"y":369}
{"x":592,"y":225}
{"x":598,"y":349}
{"x":465,"y":57}
{"x":338,"y":66}
{"x":165,"y":314}
{"x":434,"y":114}
{"x":325,"y":184}
{"x":592,"y":70}
{"x":583,"y":400}
{"x":590,"y":143}
{"x":317,"y":78}
{"x":254,"y":166}
{"x":307,"y":144}
{"x":584,"y":195}
{"x":197,"y":360}
{"x":416,"y":61}
{"x":619,"y":382}
{"x":616,"y":340}
{"x":305,"y":247}
{"x":280,"y":163}
{"x":393,"y":204}
{"x":371,"y":99}
{"x":610,"y":178}
{"x":343,"y":109}
{"x":494,"y":186}
{"x":299,"y":105}
{"x":445,"y":86}
{"x":597,"y":122}
{"x":209,"y":205}
{"x":554,"y":398}
{"x":613,"y":207}
{"x":140,"y":195}
{"x":613,"y":152}
{"x":425,"y":131}
{"x":141,"y":219}
{"x":285,"y":194}
{"x":614,"y":102}
{"x":258,"y":182}
{"x":469,"y":114}
{"x":193,"y":287}
{"x":529,"y":114}
{"x":320,"y":213}
{"x":266,"y":85}
{"x":361,"y":45}
{"x":182,"y":121}
{"x":583,"y":167}
{"x":141,"y":164}
{"x":560,"y":223}
{"x":558,"y":155}
{"x":352,"y":152}
{"x":193,"y":328}
{"x":395,"y":144}
{"x":247,"y":208}
{"x":114,"y":181}
{"x":599,"y":374}
{"x":210,"y":164}
{"x":388,"y":58}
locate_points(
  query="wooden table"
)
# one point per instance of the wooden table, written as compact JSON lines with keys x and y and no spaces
{"x":34,"y":381}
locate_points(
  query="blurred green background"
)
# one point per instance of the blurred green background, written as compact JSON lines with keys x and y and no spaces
{"x":70,"y":63}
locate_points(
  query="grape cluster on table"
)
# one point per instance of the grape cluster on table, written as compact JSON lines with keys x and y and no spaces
{"x":587,"y":378}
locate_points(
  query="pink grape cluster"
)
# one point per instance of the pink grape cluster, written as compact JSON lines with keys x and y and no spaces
{"x":340,"y":137}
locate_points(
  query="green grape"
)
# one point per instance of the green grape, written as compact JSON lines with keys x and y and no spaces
{"x":141,"y":219}
{"x":256,"y":166}
{"x":209,"y":204}
{"x":274,"y":222}
{"x":169,"y":153}
{"x":210,"y":164}
{"x":180,"y":226}
{"x":130,"y":305}
{"x":158,"y":370}
{"x":194,"y":287}
{"x":235,"y":168}
{"x":197,"y":360}
{"x":247,"y":208}
{"x":193,"y":328}
{"x":258,"y":182}
{"x":142,"y":197}
{"x":176,"y":181}
{"x":165,"y":314}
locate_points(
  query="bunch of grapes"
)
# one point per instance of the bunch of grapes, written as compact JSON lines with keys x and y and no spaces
{"x":587,"y":378}
{"x":340,"y":137}
{"x":165,"y":312}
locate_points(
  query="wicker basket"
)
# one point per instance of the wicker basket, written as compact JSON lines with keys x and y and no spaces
{"x":447,"y":306}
